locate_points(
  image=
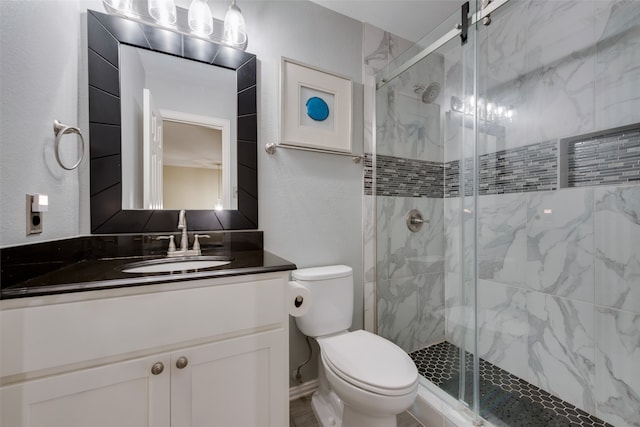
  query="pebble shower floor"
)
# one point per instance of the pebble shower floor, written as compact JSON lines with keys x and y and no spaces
{"x":505,"y":400}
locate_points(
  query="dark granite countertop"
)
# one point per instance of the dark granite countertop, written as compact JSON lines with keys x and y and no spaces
{"x":96,"y":262}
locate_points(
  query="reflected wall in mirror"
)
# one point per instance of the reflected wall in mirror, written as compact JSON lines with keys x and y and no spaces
{"x":198,"y":88}
{"x":192,"y":167}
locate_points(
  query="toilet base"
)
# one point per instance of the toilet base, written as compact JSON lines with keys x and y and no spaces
{"x":327,"y":415}
{"x":324,"y":411}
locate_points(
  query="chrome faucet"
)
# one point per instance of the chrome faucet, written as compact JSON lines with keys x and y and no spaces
{"x":184,"y":241}
{"x":182,"y":225}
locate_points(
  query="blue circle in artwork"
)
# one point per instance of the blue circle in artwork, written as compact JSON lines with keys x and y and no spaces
{"x":317,"y":109}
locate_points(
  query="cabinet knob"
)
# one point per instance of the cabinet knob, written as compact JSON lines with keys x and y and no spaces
{"x":157,"y":368}
{"x":182,"y":362}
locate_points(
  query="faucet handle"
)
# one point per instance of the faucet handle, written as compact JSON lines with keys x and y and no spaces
{"x":196,"y":243}
{"x":172,"y":243}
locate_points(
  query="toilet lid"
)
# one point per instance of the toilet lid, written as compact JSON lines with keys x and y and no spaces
{"x":322,"y":273}
{"x":370,"y":362}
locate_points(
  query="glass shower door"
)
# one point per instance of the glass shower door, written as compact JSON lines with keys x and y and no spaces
{"x":460,"y":183}
{"x":425,"y":142}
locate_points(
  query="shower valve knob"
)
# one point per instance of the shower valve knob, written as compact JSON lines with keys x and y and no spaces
{"x":415,"y":221}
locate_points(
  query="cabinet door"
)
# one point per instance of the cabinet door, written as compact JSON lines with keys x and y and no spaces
{"x":125,"y":394}
{"x":240,"y":382}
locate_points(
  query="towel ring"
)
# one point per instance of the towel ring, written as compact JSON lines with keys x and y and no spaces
{"x":60,"y":130}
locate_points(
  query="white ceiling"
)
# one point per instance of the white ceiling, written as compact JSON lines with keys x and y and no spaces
{"x":410,"y":19}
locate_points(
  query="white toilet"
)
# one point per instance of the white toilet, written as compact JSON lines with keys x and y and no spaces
{"x":365,"y":380}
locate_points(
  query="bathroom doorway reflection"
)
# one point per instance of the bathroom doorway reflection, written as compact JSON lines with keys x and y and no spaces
{"x":522,"y":148}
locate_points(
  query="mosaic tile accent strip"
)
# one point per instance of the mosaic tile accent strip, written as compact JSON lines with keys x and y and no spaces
{"x":505,"y":399}
{"x":613,"y":158}
{"x":404,"y":177}
{"x":532,"y":167}
{"x":610,"y":157}
{"x":368,"y":174}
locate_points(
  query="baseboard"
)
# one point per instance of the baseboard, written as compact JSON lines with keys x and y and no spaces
{"x":303,"y":389}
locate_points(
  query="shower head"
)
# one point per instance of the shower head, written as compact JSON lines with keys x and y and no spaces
{"x":431,"y":93}
{"x":428,"y":94}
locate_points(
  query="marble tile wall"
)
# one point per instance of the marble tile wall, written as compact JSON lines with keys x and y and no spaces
{"x":410,"y":272}
{"x":531,"y":60}
{"x":406,"y":283}
{"x":379,"y":49}
{"x":407,"y":127}
{"x":558,"y":293}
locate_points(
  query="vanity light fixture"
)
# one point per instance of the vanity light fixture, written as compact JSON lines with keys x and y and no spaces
{"x":235,"y":30}
{"x":163,"y":11}
{"x":487,"y":110}
{"x":197,"y":21}
{"x":199,"y":18}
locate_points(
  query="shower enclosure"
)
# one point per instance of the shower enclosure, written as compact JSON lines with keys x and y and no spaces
{"x":517,"y":137}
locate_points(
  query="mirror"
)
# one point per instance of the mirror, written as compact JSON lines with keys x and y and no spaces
{"x":116,"y":175}
{"x":176,"y":135}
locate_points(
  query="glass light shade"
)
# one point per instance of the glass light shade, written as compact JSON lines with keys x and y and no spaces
{"x":163,"y":11}
{"x":235,"y":30}
{"x":200,"y":19}
{"x":123,"y":6}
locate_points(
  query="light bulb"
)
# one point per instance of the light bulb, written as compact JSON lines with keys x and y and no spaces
{"x":163,"y":11}
{"x":123,"y":6}
{"x":235,"y":31}
{"x":200,"y":19}
{"x":510,"y":114}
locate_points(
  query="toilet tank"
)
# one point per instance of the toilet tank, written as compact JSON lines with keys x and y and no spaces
{"x":331,"y":308}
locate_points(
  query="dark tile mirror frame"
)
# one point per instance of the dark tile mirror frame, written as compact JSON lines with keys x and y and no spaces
{"x":105,"y":34}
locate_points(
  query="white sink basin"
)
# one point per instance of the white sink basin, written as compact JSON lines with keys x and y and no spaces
{"x":170,"y":265}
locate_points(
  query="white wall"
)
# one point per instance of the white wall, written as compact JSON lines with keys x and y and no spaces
{"x":310,"y":204}
{"x":39,"y":72}
{"x":189,"y":188}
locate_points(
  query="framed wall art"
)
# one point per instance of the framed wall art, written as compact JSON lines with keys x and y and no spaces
{"x":315,"y":108}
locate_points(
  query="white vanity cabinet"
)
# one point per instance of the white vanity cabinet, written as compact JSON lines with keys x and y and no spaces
{"x":231,"y":383}
{"x":124,"y":394}
{"x":210,"y":352}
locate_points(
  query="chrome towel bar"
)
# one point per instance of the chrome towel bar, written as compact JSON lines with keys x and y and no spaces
{"x":272,"y":147}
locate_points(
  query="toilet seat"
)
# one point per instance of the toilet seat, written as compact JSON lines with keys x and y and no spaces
{"x":369,"y":362}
